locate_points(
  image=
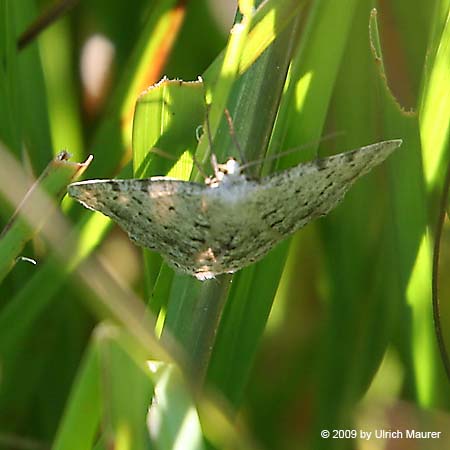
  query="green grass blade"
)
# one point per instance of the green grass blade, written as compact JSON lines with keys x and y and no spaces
{"x":218,"y":91}
{"x":108,"y":147}
{"x":19,"y":315}
{"x":412,"y":238}
{"x":309,"y":58}
{"x":361,"y":311}
{"x":173,"y":421}
{"x":59,"y":72}
{"x":350,"y":332}
{"x":434,"y":118}
{"x":252,"y":133}
{"x":81,"y":419}
{"x":33,"y":100}
{"x":114,"y":134}
{"x":167,"y":116}
{"x":10,"y":130}
{"x":270,"y":19}
{"x":194,"y":310}
{"x":435,"y":111}
{"x":58,"y":174}
{"x":126,"y":390}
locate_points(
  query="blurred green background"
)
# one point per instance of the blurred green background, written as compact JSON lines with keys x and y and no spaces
{"x":333,"y":330}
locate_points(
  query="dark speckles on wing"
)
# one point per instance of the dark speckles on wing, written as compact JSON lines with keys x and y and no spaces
{"x":349,"y":157}
{"x":206,"y":231}
{"x":321,"y":164}
{"x":307,"y":191}
{"x":269,"y":213}
{"x":114,"y":185}
{"x":201,"y":240}
{"x":205,"y":226}
{"x":152,"y":211}
{"x":137,"y":200}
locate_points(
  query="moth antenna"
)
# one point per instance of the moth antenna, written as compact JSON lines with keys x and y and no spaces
{"x":291,"y":150}
{"x":215,"y":165}
{"x":208,"y":126}
{"x":199,"y":167}
{"x":233,"y":135}
{"x":164,"y":154}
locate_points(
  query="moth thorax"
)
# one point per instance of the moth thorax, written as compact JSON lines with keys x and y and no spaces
{"x":229,"y":171}
{"x":225,"y":173}
{"x":232,"y":167}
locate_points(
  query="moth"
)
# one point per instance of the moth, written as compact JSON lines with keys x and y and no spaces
{"x":230,"y":221}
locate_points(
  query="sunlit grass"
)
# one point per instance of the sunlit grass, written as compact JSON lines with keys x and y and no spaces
{"x":350,"y":339}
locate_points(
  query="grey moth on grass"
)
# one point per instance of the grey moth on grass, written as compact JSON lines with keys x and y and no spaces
{"x":230,"y":221}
